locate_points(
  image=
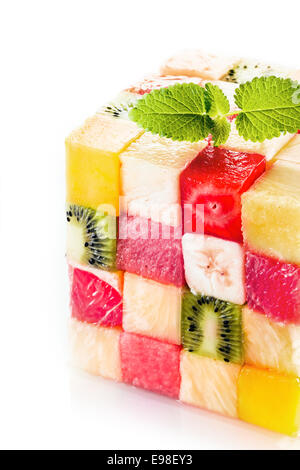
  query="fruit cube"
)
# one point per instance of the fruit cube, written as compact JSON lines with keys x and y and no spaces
{"x":268,"y":148}
{"x":291,"y":152}
{"x":150,"y":364}
{"x":209,"y":384}
{"x":211,"y":327}
{"x":214,"y":267}
{"x":95,"y":349}
{"x":273,"y":287}
{"x":245,"y":70}
{"x":96,"y":296}
{"x":152,"y":309}
{"x":150,"y":172}
{"x":197,"y":63}
{"x":269,"y":344}
{"x":271,"y":213}
{"x":269,"y":399}
{"x":151,"y":250}
{"x":212,"y":185}
{"x":91,"y":237}
{"x":93,"y":160}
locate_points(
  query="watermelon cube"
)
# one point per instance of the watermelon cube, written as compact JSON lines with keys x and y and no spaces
{"x":96,"y":296}
{"x":273,"y":287}
{"x":151,"y":250}
{"x":212,"y":186}
{"x":150,"y":364}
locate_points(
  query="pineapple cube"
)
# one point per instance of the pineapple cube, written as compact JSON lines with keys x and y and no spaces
{"x":291,"y":152}
{"x":150,"y":172}
{"x":269,"y":344}
{"x":268,"y":148}
{"x":269,"y":399}
{"x":209,"y":384}
{"x":95,"y":349}
{"x":151,"y":308}
{"x":271,"y":213}
{"x":197,"y":63}
{"x":93,"y":160}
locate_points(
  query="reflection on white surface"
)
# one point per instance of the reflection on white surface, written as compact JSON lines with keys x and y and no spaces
{"x":106,"y":411}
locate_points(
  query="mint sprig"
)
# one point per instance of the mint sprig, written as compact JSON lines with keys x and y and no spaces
{"x":187,"y":111}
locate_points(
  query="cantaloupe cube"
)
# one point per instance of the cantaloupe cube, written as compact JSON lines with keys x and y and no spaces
{"x":269,"y":344}
{"x":291,"y":152}
{"x":93,"y":160}
{"x":95,"y":349}
{"x":271,"y":213}
{"x":269,"y":399}
{"x":151,"y":308}
{"x":209,"y":384}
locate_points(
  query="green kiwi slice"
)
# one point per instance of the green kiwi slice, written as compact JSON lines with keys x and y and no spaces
{"x":91,"y":237}
{"x":247,"y":70}
{"x":212,"y":327}
{"x":121,"y":105}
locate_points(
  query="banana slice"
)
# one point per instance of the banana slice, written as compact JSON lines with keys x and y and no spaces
{"x":214,"y":267}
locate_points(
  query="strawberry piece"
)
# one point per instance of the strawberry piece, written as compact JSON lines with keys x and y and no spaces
{"x":215,"y":180}
{"x":150,"y":364}
{"x":94,"y":300}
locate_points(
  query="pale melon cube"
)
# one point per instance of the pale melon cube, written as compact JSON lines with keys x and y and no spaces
{"x":151,"y":309}
{"x":268,"y":148}
{"x":209,"y":384}
{"x":95,"y":349}
{"x":269,"y":344}
{"x":150,"y":172}
{"x":197,"y":63}
{"x":271,"y":213}
{"x":291,"y":152}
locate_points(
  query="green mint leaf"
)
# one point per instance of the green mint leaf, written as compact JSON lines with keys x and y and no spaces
{"x":269,"y":108}
{"x":220,"y":131}
{"x":178,"y":112}
{"x":219,"y":104}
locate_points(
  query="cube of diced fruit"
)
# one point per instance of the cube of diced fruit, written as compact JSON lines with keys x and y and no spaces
{"x":150,"y":364}
{"x":209,"y":384}
{"x":120,"y":105}
{"x":269,"y":399}
{"x":91,"y":237}
{"x":93,"y":160}
{"x":273,"y":287}
{"x":197,"y":63}
{"x":151,"y":250}
{"x":214,"y":267}
{"x":245,"y":70}
{"x":154,"y":82}
{"x":95,"y":349}
{"x":212,"y":186}
{"x":269,"y":344}
{"x":271,"y":213}
{"x":150,"y":172}
{"x":211,"y":327}
{"x":291,"y":152}
{"x":267,"y":148}
{"x":96,"y":296}
{"x":151,"y":308}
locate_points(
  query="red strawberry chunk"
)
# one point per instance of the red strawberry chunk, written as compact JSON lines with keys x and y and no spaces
{"x":214,"y":181}
{"x":150,"y":364}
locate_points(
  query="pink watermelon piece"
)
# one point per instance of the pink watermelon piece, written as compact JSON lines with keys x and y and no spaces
{"x":150,"y":364}
{"x":151,"y":250}
{"x":273,"y":287}
{"x":95,"y":301}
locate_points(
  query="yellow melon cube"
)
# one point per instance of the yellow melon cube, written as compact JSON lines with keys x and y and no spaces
{"x":269,"y":344}
{"x":151,"y":308}
{"x":271,"y":213}
{"x":269,"y":399}
{"x":95,"y":349}
{"x":209,"y":384}
{"x":92,"y":165}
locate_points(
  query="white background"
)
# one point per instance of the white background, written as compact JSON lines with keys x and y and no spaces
{"x":59,"y":61}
